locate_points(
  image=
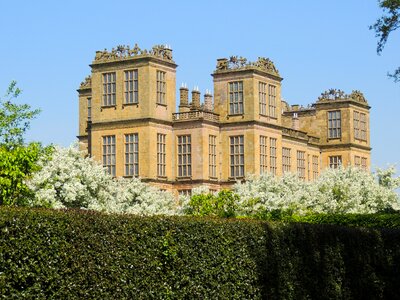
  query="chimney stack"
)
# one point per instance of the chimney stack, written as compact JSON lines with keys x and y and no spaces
{"x":295,"y":122}
{"x":208,"y":101}
{"x":184,"y":98}
{"x":195,"y":98}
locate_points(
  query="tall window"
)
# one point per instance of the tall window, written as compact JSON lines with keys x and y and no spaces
{"x":357,"y":161}
{"x":363,"y":126}
{"x":272,"y":100}
{"x":236,"y":98}
{"x":356,"y":121}
{"x":315,"y":159}
{"x":212,"y":156}
{"x":364,"y":163}
{"x":263,"y":154}
{"x":131,"y":154}
{"x":286,"y":160}
{"x":109,"y":89}
{"x":237,"y":156}
{"x":360,"y":126}
{"x":334,"y":124}
{"x":161,"y":154}
{"x":272,"y":156}
{"x":184,"y":156}
{"x":109,"y":153}
{"x":301,"y":164}
{"x":161,"y":87}
{"x":89,"y":108}
{"x":335,"y":161}
{"x":131,"y":86}
{"x":262,"y":95}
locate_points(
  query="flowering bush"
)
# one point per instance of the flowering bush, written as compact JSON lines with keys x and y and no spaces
{"x":68,"y":179}
{"x":343,"y":190}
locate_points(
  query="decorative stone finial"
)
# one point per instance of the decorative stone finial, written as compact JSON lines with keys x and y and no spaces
{"x":336,"y":94}
{"x":123,"y":51}
{"x":241,"y":63}
{"x":87,"y":82}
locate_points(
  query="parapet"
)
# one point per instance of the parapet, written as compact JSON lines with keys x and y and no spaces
{"x":122,"y":52}
{"x":235,"y":63}
{"x":337,"y":95}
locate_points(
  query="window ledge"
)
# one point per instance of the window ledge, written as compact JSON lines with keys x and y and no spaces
{"x":235,"y":115}
{"x":130,"y":104}
{"x":267,"y":116}
{"x":161,"y":104}
{"x":184,"y":178}
{"x":108,"y":106}
{"x":236,"y":178}
{"x":162,"y":177}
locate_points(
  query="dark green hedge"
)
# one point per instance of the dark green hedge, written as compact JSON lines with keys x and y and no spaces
{"x":391,"y":220}
{"x":47,"y":254}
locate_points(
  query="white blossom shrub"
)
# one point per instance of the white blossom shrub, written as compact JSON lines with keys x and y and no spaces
{"x":353,"y":190}
{"x":267,"y":193}
{"x":68,"y":180}
{"x":343,"y":190}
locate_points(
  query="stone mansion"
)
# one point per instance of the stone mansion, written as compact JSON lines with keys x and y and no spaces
{"x":129,"y":121}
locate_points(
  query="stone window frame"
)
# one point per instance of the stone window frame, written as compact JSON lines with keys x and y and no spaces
{"x":286,"y":160}
{"x":263,"y":154}
{"x":357,"y":161}
{"x":363,"y":126}
{"x":161,"y":154}
{"x":89,"y":108}
{"x":315,"y":166}
{"x":364,"y":161}
{"x":301,"y":164}
{"x":212,"y":156}
{"x":335,"y":161}
{"x":273,"y":156}
{"x":131,"y":143}
{"x":161,"y":87}
{"x":109,"y":89}
{"x":262,"y":97}
{"x":236,"y":97}
{"x":272,"y":100}
{"x":184,"y":155}
{"x":334,"y":124}
{"x":109,"y":154}
{"x":236,"y":156}
{"x":131,"y":86}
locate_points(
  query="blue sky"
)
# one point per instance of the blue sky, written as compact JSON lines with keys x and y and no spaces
{"x":316,"y":45}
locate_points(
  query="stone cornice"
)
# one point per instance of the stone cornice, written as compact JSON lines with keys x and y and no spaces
{"x":99,"y":65}
{"x":102,"y":124}
{"x":248,"y":70}
{"x":340,"y":103}
{"x":347,"y":145}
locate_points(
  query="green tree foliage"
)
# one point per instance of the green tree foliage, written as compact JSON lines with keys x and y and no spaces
{"x":14,"y":118}
{"x":385,"y":25}
{"x":17,"y":160}
{"x":224,"y":204}
{"x":16,"y":165}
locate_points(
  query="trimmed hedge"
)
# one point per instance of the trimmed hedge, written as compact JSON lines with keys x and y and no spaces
{"x":47,"y":254}
{"x":381,"y":220}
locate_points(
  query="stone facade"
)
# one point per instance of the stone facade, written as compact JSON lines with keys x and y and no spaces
{"x":244,"y":128}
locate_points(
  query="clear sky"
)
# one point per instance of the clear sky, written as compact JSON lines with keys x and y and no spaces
{"x":316,"y":45}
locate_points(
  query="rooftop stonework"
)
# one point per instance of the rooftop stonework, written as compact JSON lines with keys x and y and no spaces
{"x":86,"y":83}
{"x":240,"y":63}
{"x":122,"y":52}
{"x":336,"y":94}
